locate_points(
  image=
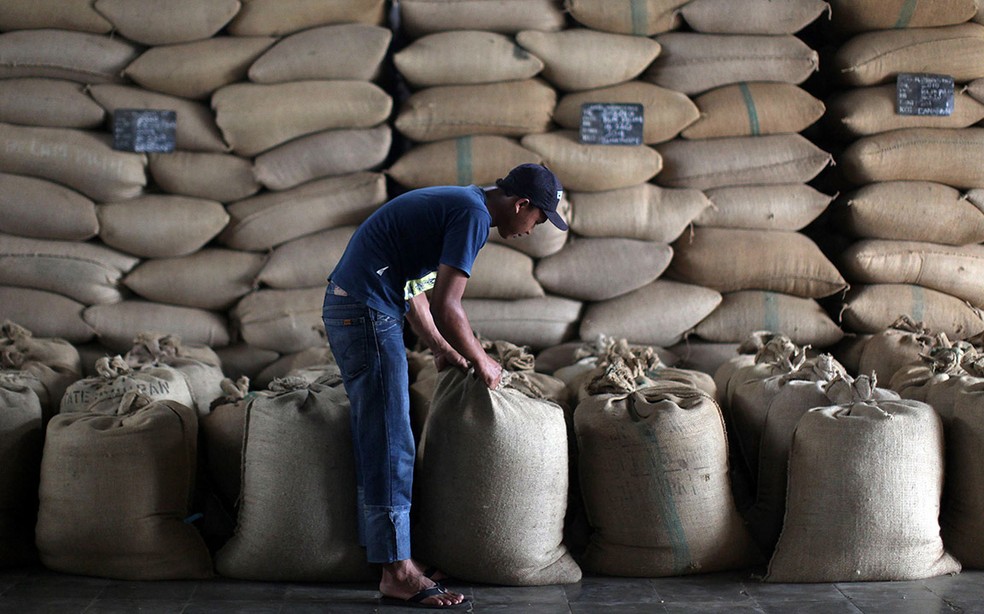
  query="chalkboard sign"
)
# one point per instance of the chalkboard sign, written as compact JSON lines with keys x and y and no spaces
{"x":924,"y":94}
{"x":611,"y":123}
{"x":144,"y":130}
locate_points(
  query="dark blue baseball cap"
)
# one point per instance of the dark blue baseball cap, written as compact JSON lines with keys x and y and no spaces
{"x":537,"y":183}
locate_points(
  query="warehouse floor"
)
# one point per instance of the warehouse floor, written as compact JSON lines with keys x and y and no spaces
{"x":38,"y":590}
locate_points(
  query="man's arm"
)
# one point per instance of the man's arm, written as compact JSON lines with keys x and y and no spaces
{"x":422,"y":323}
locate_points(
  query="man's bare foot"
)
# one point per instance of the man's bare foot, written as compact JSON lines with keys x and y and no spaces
{"x":404,"y":580}
{"x":433,"y":573}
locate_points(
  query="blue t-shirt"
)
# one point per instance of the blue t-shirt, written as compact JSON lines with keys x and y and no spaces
{"x":395,"y":253}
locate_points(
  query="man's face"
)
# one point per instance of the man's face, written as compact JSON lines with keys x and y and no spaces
{"x":523,"y":218}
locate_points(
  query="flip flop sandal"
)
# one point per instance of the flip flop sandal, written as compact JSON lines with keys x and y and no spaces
{"x":417,"y":601}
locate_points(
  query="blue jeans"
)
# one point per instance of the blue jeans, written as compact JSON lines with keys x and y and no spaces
{"x":369,"y":348}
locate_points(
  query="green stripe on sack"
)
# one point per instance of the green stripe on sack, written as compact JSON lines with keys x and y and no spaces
{"x":918,"y":303}
{"x":639,"y":17}
{"x":753,"y":118}
{"x":463,"y":147}
{"x":905,"y":15}
{"x":770,"y":312}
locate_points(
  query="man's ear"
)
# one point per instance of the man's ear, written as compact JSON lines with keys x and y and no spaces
{"x":520,"y":203}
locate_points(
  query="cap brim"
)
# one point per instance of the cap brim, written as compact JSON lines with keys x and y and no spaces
{"x":556,"y":220}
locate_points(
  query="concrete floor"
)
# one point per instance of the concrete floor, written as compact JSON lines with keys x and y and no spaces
{"x":38,"y":590}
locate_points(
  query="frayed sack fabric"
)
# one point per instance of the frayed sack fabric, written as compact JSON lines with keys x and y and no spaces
{"x":755,"y":17}
{"x":593,"y":168}
{"x":854,"y":16}
{"x":644,"y":211}
{"x":305,"y":360}
{"x":284,"y":321}
{"x":644,"y":18}
{"x":56,"y":103}
{"x":244,"y":359}
{"x":118,"y":324}
{"x":493,"y":517}
{"x":200,"y":366}
{"x":341,"y":52}
{"x":77,"y":15}
{"x":871,"y":308}
{"x":102,"y":393}
{"x":159,"y":225}
{"x":754,"y":109}
{"x":53,"y":363}
{"x":791,"y":206}
{"x":289,"y":266}
{"x":463,"y":57}
{"x":421,"y":17}
{"x":888,"y":350}
{"x":63,"y":54}
{"x":61,"y":316}
{"x":153,"y":23}
{"x":534,"y":322}
{"x":938,"y":377}
{"x":945,"y":155}
{"x":280,"y":17}
{"x":500,"y":272}
{"x":212,"y":176}
{"x":21,"y":437}
{"x":871,"y":110}
{"x":743,"y":312}
{"x":41,"y":209}
{"x":462,"y":160}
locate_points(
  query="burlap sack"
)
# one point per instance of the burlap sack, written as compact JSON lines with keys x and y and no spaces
{"x":858,"y":16}
{"x":224,"y":431}
{"x":913,"y":211}
{"x":420,"y":17}
{"x":161,"y":226}
{"x":887,"y":351}
{"x":118,"y":324}
{"x":603,"y":268}
{"x":546,"y":239}
{"x":200,"y":366}
{"x":520,"y":363}
{"x":103,"y":392}
{"x":593,"y":168}
{"x":877,"y":57}
{"x":873,"y":308}
{"x":465,"y":57}
{"x":45,"y":210}
{"x":279,"y":17}
{"x":61,"y":316}
{"x":657,"y":314}
{"x":626,"y":16}
{"x":195,"y":70}
{"x":344,"y":52}
{"x":21,"y":443}
{"x":870,"y":110}
{"x":48,"y":102}
{"x":534,"y":322}
{"x":464,"y":160}
{"x":582,"y":59}
{"x":752,"y":109}
{"x":743,"y":355}
{"x":693,"y":63}
{"x":501,"y":272}
{"x":644,"y":211}
{"x":763,"y":207}
{"x":179,"y":21}
{"x":976,"y":89}
{"x":728,"y":259}
{"x":50,"y":365}
{"x":746,"y":311}
{"x":703,"y":356}
{"x":755,"y":17}
{"x":75,"y":15}
{"x":943,"y":155}
{"x":518,"y":540}
{"x":292,"y":363}
{"x":323,"y":154}
{"x":511,"y":108}
{"x":64,"y":54}
{"x":116,"y":490}
{"x":290,"y":264}
{"x":271,"y":218}
{"x":666,"y":516}
{"x":875,"y":468}
{"x":212,"y":176}
{"x":297,"y":425}
{"x":284,"y":321}
{"x":239,"y":359}
{"x":937,"y":377}
{"x":213,"y":278}
{"x":963,"y":501}
{"x":86,"y":272}
{"x":254,"y":117}
{"x":746,"y":160}
{"x":82,"y":160}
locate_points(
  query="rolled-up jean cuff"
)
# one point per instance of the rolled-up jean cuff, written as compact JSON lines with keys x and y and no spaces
{"x":388,"y":533}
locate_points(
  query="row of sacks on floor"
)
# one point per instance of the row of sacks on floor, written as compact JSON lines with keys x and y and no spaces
{"x":615,"y":464}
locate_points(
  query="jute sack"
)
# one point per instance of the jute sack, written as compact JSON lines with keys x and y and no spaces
{"x":297,"y":425}
{"x":976,"y":89}
{"x":511,"y":108}
{"x":871,"y":308}
{"x":290,"y":264}
{"x":288,"y":364}
{"x":582,"y":59}
{"x":760,"y":355}
{"x":858,"y":16}
{"x":755,"y":17}
{"x":21,"y":442}
{"x":323,"y":154}
{"x":422,"y":394}
{"x":626,"y":16}
{"x":195,"y":70}
{"x":875,"y":468}
{"x":572,"y":359}
{"x":161,"y":226}
{"x":118,"y":324}
{"x":241,"y":359}
{"x":593,"y":168}
{"x":501,"y":272}
{"x":48,"y":102}
{"x":900,"y":344}
{"x":179,"y":21}
{"x":694,"y":63}
{"x":61,"y":316}
{"x":254,"y":117}
{"x":212,"y":176}
{"x":752,"y":109}
{"x":75,"y":15}
{"x":344,"y":52}
{"x":63,"y":54}
{"x":877,"y":57}
{"x":464,"y":160}
{"x":654,"y":511}
{"x":116,"y":490}
{"x":666,"y":112}
{"x":944,"y":155}
{"x":45,"y":210}
{"x":420,"y":17}
{"x":520,"y":363}
{"x":86,"y":272}
{"x":745,"y":160}
{"x":763,"y":207}
{"x":519,"y":539}
{"x":704,"y":356}
{"x":284,"y":321}
{"x":534,"y":322}
{"x":603,"y":268}
{"x":644,"y":211}
{"x":280,"y":17}
{"x":963,"y":501}
{"x":729,"y":259}
{"x":742,"y":356}
{"x":195,"y":129}
{"x":212,"y":278}
{"x":49,"y":365}
{"x":82,"y":160}
{"x":465,"y":57}
{"x":102,"y":393}
{"x":269,"y":219}
{"x":224,"y":430}
{"x":200,"y":366}
{"x":657,"y":314}
{"x":547,"y":239}
{"x":870,"y":110}
{"x":914,"y":211}
{"x":743,"y":312}
{"x":938,"y":376}
{"x":954,"y":270}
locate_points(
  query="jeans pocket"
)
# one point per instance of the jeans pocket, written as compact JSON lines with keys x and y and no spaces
{"x":347,"y":338}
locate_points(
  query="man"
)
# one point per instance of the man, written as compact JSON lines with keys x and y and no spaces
{"x":422,"y":240}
